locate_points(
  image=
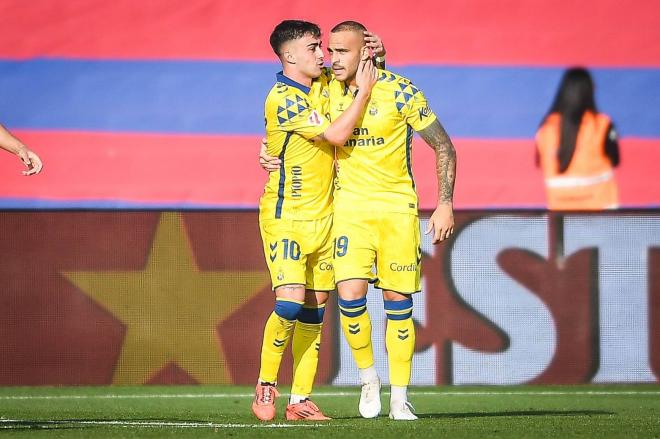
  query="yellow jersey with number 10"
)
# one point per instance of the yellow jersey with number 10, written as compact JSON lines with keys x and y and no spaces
{"x":295,"y":114}
{"x":375,"y":164}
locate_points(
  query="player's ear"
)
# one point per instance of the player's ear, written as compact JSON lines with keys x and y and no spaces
{"x":288,"y":57}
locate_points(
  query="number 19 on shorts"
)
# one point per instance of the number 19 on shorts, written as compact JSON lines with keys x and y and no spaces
{"x":341,"y":246}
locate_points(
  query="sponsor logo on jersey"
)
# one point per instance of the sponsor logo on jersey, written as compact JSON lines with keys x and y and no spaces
{"x":296,"y":181}
{"x":281,"y":88}
{"x":424,"y":112}
{"x":361,"y":137}
{"x":395,"y":266}
{"x":361,"y":141}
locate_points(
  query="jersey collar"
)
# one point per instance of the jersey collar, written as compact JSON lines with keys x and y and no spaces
{"x":348,"y":90}
{"x":288,"y":81}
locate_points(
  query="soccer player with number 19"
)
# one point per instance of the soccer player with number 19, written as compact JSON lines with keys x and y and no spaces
{"x":375,"y":214}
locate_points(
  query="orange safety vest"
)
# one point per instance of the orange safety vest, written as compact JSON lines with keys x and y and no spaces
{"x":588,"y":182}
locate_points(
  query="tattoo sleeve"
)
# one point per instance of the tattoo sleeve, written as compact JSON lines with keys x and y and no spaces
{"x":445,"y":159}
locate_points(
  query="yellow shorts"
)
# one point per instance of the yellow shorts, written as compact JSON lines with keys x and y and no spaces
{"x":299,"y":252}
{"x":390,"y":241}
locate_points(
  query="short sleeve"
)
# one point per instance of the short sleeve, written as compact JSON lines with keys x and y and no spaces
{"x":412,"y":105}
{"x":294,"y":114}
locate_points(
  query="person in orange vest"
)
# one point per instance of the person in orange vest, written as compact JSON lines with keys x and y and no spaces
{"x":577,"y":148}
{"x":29,"y":158}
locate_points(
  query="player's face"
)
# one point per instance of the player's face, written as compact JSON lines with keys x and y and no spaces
{"x":345,"y":49}
{"x":306,"y":54}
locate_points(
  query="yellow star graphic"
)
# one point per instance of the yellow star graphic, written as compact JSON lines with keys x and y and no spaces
{"x":170,"y":308}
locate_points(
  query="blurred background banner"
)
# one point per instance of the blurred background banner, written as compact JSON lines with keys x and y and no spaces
{"x":155,"y":108}
{"x":180,"y":297}
{"x":160,"y":103}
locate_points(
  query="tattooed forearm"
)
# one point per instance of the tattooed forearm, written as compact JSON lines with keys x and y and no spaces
{"x":445,"y":159}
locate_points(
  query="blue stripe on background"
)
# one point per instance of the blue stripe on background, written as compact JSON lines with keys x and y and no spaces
{"x":200,"y":97}
{"x":37,"y":203}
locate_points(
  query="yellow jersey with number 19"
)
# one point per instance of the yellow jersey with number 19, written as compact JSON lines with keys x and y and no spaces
{"x":302,"y":188}
{"x":375,"y":164}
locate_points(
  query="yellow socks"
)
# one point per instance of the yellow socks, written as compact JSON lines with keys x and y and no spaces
{"x":399,"y":340}
{"x":306,"y":345}
{"x":277,"y":332}
{"x":356,"y":325}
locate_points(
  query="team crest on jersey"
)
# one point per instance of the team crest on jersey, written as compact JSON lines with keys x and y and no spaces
{"x":315,"y":119}
{"x":373,"y":110}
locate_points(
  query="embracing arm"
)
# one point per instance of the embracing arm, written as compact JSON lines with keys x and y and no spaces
{"x":442,"y":220}
{"x":341,"y":128}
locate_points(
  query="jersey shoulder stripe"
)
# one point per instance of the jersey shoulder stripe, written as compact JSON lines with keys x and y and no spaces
{"x":289,"y":106}
{"x":403,"y":89}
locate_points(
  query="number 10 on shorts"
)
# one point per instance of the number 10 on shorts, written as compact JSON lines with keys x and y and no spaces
{"x":291,"y":249}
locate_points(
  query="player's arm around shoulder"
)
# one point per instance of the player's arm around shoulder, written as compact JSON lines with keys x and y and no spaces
{"x":268,"y":162}
{"x":442,"y":219}
{"x":289,"y":112}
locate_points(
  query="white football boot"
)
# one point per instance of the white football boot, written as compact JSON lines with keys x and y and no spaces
{"x":402,"y":411}
{"x":370,"y":399}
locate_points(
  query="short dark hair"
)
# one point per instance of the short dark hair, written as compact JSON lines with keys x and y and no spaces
{"x":349,"y":25}
{"x":292,"y":30}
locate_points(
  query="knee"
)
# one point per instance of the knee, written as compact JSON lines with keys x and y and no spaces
{"x":394,"y":296}
{"x":352,"y":289}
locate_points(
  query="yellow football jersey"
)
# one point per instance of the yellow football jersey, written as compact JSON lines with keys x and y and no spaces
{"x":375,"y":164}
{"x":302,"y":188}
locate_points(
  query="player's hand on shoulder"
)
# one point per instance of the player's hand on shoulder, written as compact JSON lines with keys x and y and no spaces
{"x":441,"y":223}
{"x":267,"y":162}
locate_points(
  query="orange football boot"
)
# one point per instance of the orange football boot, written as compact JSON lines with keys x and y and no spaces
{"x":263,"y":405}
{"x":304,"y":411}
